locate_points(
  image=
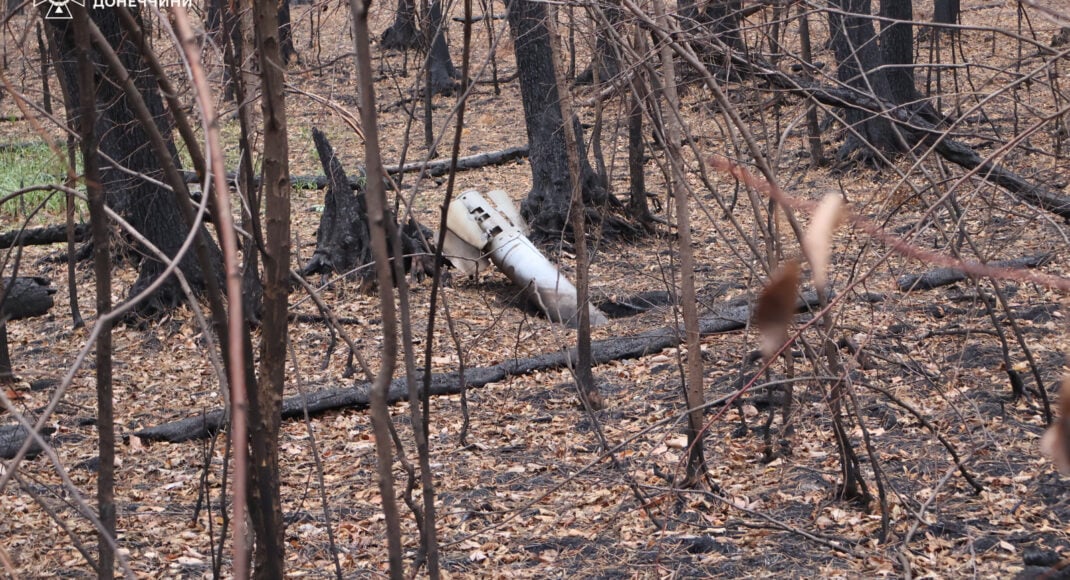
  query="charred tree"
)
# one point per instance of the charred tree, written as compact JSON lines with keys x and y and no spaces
{"x":859,"y":67}
{"x":717,"y":18}
{"x":897,"y":54}
{"x":946,"y":11}
{"x":402,"y":34}
{"x":546,"y":206}
{"x":286,"y":35}
{"x":606,"y":60}
{"x":441,"y":72}
{"x":343,"y":241}
{"x":878,"y":65}
{"x":150,"y":208}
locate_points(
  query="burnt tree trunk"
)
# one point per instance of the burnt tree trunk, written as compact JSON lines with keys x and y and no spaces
{"x":148,"y":207}
{"x":946,"y":11}
{"x":343,"y":241}
{"x":402,"y":34}
{"x":859,"y":67}
{"x":722,"y":18}
{"x":718,"y":18}
{"x":897,"y":54}
{"x":547,"y":204}
{"x":440,"y":65}
{"x":606,"y":60}
{"x":286,"y":35}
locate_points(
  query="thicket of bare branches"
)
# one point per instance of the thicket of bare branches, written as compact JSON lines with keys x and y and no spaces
{"x":934,"y":169}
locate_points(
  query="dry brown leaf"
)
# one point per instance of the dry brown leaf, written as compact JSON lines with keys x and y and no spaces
{"x":817,"y":243}
{"x":1056,"y":440}
{"x":776,"y":305}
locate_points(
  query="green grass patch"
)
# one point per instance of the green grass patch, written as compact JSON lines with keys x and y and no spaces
{"x":26,"y":165}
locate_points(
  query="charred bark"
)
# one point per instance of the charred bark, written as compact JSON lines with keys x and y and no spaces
{"x":897,"y":54}
{"x":607,"y":59}
{"x":343,"y":242}
{"x":13,"y":436}
{"x":718,"y":19}
{"x":21,"y":297}
{"x":402,"y":34}
{"x":441,"y":72}
{"x":42,"y":236}
{"x":150,"y":208}
{"x":859,"y":67}
{"x":547,"y":204}
{"x":286,"y":35}
{"x":946,"y":11}
{"x":25,"y":297}
{"x":946,"y":276}
{"x":727,"y":318}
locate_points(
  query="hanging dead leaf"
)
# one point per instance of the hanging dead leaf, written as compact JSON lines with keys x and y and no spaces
{"x":817,"y":244}
{"x":1056,"y":440}
{"x":775,"y":308}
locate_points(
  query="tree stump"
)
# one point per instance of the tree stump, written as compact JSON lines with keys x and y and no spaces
{"x":21,"y":297}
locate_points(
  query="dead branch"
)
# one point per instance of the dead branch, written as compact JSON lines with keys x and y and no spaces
{"x":946,"y":276}
{"x":13,"y":436}
{"x":431,"y":169}
{"x":730,"y":317}
{"x":42,"y":236}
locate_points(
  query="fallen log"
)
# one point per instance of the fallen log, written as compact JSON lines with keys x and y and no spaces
{"x":22,"y":297}
{"x":432,"y":169}
{"x":42,"y":236}
{"x":918,"y":128}
{"x":25,"y":297}
{"x":946,"y":276}
{"x":730,"y":317}
{"x":13,"y":436}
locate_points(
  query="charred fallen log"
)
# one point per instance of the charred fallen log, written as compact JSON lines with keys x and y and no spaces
{"x":21,"y":297}
{"x":946,"y":276}
{"x":25,"y":297}
{"x":728,"y":318}
{"x":430,"y":169}
{"x":13,"y":436}
{"x":42,"y":236}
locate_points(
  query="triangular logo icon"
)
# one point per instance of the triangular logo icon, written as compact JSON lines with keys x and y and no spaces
{"x":58,"y":9}
{"x":58,"y":12}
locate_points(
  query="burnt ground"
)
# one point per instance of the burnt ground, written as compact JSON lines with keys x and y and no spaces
{"x":532,"y":494}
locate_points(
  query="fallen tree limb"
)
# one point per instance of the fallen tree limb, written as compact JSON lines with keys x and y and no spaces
{"x":42,"y":236}
{"x":729,"y":318}
{"x":433,"y":169}
{"x":12,"y":438}
{"x":922,"y":130}
{"x":25,"y":297}
{"x":946,"y":276}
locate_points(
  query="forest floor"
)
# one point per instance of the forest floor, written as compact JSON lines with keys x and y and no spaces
{"x":532,"y":494}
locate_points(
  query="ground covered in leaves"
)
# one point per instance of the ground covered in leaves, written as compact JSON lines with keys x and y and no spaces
{"x":532,"y":491}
